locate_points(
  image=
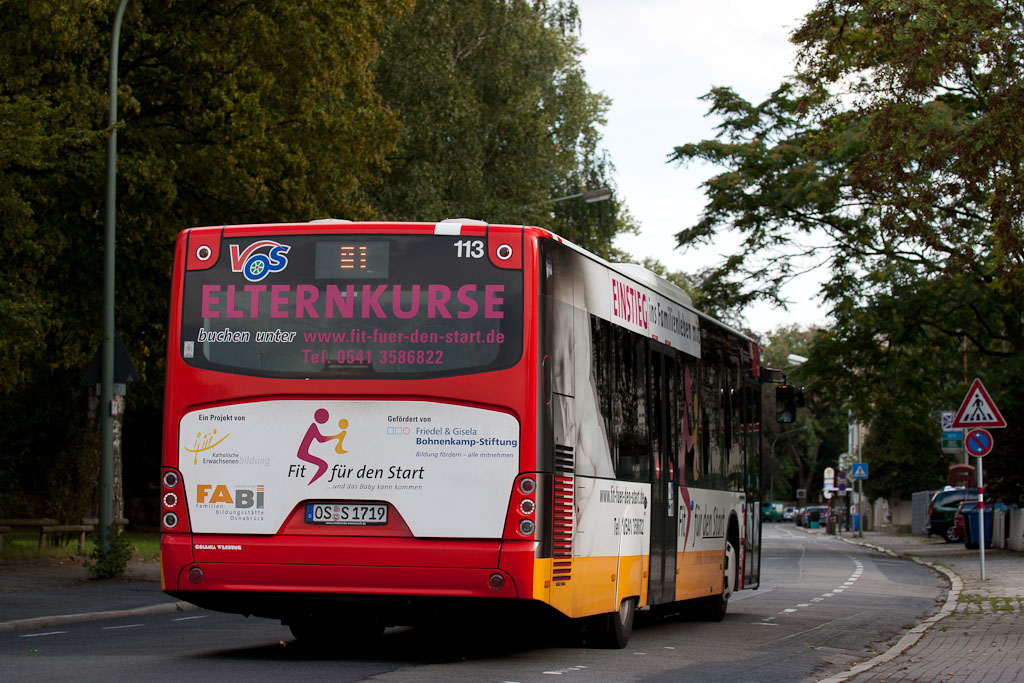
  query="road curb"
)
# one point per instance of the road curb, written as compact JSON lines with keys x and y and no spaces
{"x":913,"y":635}
{"x":36,"y":623}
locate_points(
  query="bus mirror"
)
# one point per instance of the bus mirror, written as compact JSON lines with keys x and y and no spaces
{"x":787,"y":400}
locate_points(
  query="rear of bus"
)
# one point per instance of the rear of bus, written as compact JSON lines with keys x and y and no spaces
{"x":348,"y":428}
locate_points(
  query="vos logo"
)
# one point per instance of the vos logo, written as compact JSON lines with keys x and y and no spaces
{"x":259,"y":259}
{"x":242,"y":499}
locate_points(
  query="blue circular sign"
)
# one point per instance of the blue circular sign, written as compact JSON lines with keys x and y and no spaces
{"x":979,"y":442}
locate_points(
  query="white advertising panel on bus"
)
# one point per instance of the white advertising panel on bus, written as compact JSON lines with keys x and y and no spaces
{"x":614,"y":297}
{"x":247,"y":466}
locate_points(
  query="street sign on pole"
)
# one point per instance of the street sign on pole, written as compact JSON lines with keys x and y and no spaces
{"x":953,"y":441}
{"x":978,"y":410}
{"x":979,"y":442}
{"x":859,"y":470}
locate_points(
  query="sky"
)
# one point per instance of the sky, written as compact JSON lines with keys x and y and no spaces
{"x":654,"y":59}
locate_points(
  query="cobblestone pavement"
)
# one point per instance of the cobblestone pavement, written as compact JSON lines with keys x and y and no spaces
{"x":979,"y":634}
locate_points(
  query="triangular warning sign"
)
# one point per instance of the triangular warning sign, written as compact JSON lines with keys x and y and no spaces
{"x":978,"y":410}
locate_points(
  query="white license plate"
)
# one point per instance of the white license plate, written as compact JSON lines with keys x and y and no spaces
{"x":352,"y":514}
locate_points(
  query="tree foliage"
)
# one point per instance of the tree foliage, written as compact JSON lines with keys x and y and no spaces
{"x":893,"y":158}
{"x":497,"y":119}
{"x":797,"y":454}
{"x":234,"y":112}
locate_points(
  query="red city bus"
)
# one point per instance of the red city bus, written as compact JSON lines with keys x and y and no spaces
{"x":373,"y":424}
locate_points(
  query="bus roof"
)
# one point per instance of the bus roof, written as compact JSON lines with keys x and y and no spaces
{"x":454,"y":226}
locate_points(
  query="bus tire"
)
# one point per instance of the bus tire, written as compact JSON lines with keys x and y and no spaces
{"x":614,"y":629}
{"x":714,"y":608}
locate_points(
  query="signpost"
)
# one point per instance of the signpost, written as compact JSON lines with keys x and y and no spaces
{"x":828,"y":488}
{"x":979,"y":442}
{"x":977,"y":412}
{"x":859,"y":472}
{"x":952,"y":439}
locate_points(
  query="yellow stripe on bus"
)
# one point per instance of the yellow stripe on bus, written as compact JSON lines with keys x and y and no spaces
{"x":599,"y":584}
{"x":699,"y":573}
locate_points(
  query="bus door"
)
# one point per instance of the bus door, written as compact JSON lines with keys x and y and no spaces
{"x":664,"y":476}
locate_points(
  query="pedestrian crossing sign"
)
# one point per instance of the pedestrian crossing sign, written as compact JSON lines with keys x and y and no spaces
{"x":859,"y":470}
{"x":978,"y":410}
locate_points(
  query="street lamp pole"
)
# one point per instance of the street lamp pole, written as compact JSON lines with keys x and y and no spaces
{"x":589,"y":196}
{"x":106,"y":512}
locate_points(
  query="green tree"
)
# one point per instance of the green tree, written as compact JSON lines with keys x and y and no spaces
{"x":229,"y":112}
{"x":892,"y":158}
{"x":233,"y":112}
{"x":797,"y":454}
{"x":497,"y":119}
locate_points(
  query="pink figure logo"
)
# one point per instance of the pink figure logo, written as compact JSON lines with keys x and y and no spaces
{"x":313,"y":434}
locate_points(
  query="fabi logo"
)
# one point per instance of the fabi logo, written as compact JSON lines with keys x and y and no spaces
{"x":259,"y":259}
{"x":243,"y":498}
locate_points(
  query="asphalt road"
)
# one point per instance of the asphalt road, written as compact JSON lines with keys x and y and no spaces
{"x":823,"y":606}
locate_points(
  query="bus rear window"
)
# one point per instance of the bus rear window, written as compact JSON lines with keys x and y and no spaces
{"x":351,"y":306}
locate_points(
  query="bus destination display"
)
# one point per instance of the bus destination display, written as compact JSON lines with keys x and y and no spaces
{"x":351,"y":260}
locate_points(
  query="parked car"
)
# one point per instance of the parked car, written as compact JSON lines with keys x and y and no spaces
{"x":959,"y":529}
{"x":771,"y":511}
{"x":815,"y":513}
{"x":942,"y":510}
{"x":789,"y":514}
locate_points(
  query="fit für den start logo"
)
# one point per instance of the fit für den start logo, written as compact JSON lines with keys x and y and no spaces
{"x":313,"y":434}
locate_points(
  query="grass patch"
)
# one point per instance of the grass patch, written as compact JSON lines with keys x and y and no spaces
{"x":22,"y":547}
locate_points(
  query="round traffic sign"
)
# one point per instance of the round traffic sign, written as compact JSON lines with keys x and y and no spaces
{"x":979,"y":442}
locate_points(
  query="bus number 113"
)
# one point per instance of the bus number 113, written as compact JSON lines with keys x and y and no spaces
{"x":469,"y":249}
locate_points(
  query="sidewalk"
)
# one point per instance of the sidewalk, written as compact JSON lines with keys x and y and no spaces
{"x":977,"y":636}
{"x":47,"y":595}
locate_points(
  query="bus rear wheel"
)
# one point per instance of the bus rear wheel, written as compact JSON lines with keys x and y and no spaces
{"x":612,"y":631}
{"x":714,"y":608}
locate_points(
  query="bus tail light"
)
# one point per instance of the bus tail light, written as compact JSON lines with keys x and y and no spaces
{"x":522,"y":515}
{"x":172,"y":502}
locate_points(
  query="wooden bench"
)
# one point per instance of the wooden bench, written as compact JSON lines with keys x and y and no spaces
{"x":48,"y":525}
{"x":122,"y":522}
{"x":80,"y":529}
{"x":11,"y":524}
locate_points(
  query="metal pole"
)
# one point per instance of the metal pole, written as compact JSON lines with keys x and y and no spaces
{"x":860,"y":508}
{"x":106,"y":513}
{"x":981,"y":519}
